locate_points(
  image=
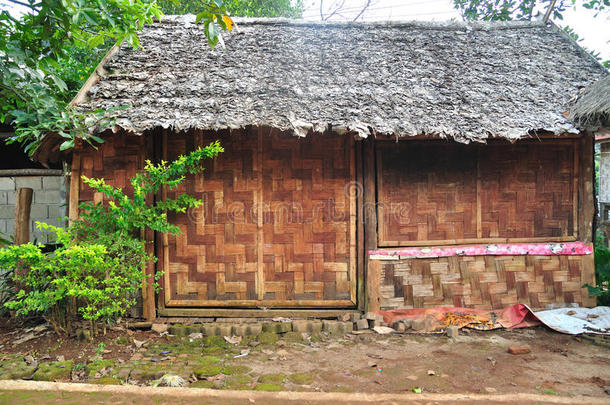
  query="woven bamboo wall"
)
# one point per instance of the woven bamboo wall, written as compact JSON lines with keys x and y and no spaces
{"x":433,"y":192}
{"x":483,"y":281}
{"x":116,"y":160}
{"x":277,"y":225}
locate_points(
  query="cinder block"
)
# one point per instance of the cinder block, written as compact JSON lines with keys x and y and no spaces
{"x":247,"y":329}
{"x":3,"y":197}
{"x":10,"y":227}
{"x":216,"y":329}
{"x":39,"y":212}
{"x":7,"y":183}
{"x":418,"y":324}
{"x":453,"y":331}
{"x":11,"y":197}
{"x":34,"y":182}
{"x":7,"y":211}
{"x":362,"y":324}
{"x":3,"y":226}
{"x":277,"y":327}
{"x":57,"y":211}
{"x":305,"y":326}
{"x":48,"y":197}
{"x":355,"y":316}
{"x":53,"y":182}
{"x":337,"y":327}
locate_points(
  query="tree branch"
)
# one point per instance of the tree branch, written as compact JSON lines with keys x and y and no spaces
{"x":547,"y":15}
{"x":368,"y":3}
{"x":30,"y":6}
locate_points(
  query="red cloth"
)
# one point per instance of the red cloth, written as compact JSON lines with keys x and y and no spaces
{"x":437,"y":319}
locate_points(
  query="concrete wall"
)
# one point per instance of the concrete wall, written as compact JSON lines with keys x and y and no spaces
{"x":48,"y":204}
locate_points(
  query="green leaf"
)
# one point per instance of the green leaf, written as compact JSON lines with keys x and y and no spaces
{"x":69,"y":144}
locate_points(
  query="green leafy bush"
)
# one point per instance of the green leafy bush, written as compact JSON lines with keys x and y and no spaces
{"x":97,"y":272}
{"x":84,"y":279}
{"x":602,"y":273}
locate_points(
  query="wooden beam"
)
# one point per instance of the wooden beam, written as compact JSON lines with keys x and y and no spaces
{"x":30,"y":172}
{"x":22,"y":215}
{"x":149,"y":310}
{"x":360,"y":249}
{"x":254,"y":313}
{"x":74,"y":186}
{"x":587,"y":193}
{"x":370,"y":223}
{"x":260,"y":236}
{"x":587,"y":209}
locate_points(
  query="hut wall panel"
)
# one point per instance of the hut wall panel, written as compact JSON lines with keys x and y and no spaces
{"x":277,"y":224}
{"x":483,"y":281}
{"x":435,"y":192}
{"x":527,"y":190}
{"x":215,"y":256}
{"x":427,"y":191}
{"x":116,"y":160}
{"x":308,"y":218}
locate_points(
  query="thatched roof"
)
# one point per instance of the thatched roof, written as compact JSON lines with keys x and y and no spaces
{"x":465,"y":81}
{"x":593,"y":107}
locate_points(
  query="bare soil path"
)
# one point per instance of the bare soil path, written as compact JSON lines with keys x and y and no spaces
{"x":477,"y":363}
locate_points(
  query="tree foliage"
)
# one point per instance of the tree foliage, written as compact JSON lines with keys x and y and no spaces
{"x":242,"y":8}
{"x":97,"y":272}
{"x":526,"y":10}
{"x":48,"y":52}
{"x":506,"y":10}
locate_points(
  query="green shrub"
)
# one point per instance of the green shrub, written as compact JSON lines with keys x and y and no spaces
{"x":97,"y":271}
{"x":602,"y":273}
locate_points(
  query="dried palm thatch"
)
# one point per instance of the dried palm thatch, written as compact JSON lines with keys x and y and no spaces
{"x":592,"y":109}
{"x":468,"y":82}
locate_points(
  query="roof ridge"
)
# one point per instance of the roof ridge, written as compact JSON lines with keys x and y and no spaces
{"x":433,"y":25}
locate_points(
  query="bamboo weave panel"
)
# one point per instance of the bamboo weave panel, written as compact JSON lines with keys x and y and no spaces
{"x":483,"y":281}
{"x":434,"y":191}
{"x":116,"y":160}
{"x":427,"y":191}
{"x":527,"y":190}
{"x":275,"y":227}
{"x":306,"y":223}
{"x":215,"y":256}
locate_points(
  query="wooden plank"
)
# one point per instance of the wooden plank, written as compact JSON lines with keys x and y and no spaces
{"x":370,"y":223}
{"x":253,"y":313}
{"x":379,"y":202}
{"x":23,"y":206}
{"x":478,"y":193}
{"x":30,"y":172}
{"x":360,"y":250}
{"x":74,"y":185}
{"x":405,"y":243}
{"x":260,"y":237}
{"x":158,"y":236}
{"x":575,"y":191}
{"x":587,"y":210}
{"x":262,"y":303}
{"x":165,"y":237}
{"x":148,"y":292}
{"x":352,"y":220}
{"x":373,"y":290}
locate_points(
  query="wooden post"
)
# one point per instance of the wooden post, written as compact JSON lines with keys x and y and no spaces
{"x":22,"y":215}
{"x":149,"y":309}
{"x":22,"y":224}
{"x":587,"y":212}
{"x":370,"y":225}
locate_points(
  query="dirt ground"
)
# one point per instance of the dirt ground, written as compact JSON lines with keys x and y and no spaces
{"x":474,"y":362}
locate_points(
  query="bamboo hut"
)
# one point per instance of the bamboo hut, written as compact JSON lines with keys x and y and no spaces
{"x":366,"y":165}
